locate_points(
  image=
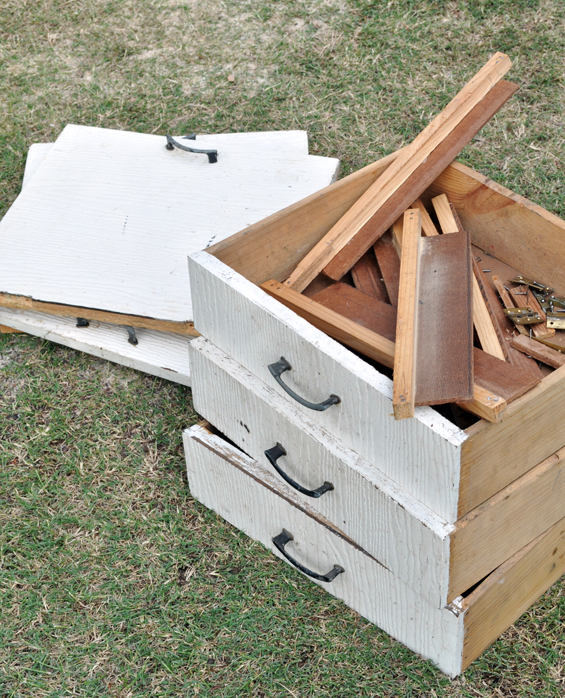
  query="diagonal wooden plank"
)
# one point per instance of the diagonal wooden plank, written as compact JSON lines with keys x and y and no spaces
{"x":389,"y":264}
{"x":367,"y":277}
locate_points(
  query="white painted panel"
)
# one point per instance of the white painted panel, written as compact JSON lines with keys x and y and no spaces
{"x":249,"y":497}
{"x":109,"y":217}
{"x":403,"y":534}
{"x":421,"y":454}
{"x":161,"y":354}
{"x":35,"y":156}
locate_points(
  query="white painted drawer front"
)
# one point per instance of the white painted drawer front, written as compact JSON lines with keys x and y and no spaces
{"x":404,"y":535}
{"x":248,"y":496}
{"x":421,"y":454}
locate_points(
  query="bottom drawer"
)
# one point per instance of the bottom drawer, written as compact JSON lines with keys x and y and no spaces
{"x":247,"y":495}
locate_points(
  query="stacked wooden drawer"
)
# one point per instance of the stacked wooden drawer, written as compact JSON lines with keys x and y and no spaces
{"x":442,"y":537}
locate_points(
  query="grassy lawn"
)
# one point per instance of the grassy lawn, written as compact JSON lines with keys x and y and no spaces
{"x":114,"y":581}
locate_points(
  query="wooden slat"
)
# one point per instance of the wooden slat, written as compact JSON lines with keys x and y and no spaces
{"x":501,"y":377}
{"x":444,"y":214}
{"x":369,"y":343}
{"x":25,"y":303}
{"x":496,"y":529}
{"x":405,"y":358}
{"x":511,"y":589}
{"x":490,"y":300}
{"x":541,"y":330}
{"x":539,"y":351}
{"x":367,"y":277}
{"x":444,"y":367}
{"x":335,"y":325}
{"x":389,"y":264}
{"x":428,"y":227}
{"x":496,"y":454}
{"x":366,"y":311}
{"x":381,"y":200}
{"x":417,"y":182}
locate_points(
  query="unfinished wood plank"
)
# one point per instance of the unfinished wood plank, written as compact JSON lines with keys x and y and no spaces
{"x":335,"y":325}
{"x":484,"y":288}
{"x":485,"y":404}
{"x":367,"y":277}
{"x":363,"y":309}
{"x":496,"y":454}
{"x":389,"y":264}
{"x":523,"y":297}
{"x":405,"y":358}
{"x":444,"y":367}
{"x":511,"y":589}
{"x":492,"y":532}
{"x":25,"y":303}
{"x":360,"y":216}
{"x":539,"y":351}
{"x":410,"y":189}
{"x":428,"y":227}
{"x":444,"y":214}
{"x":501,"y":377}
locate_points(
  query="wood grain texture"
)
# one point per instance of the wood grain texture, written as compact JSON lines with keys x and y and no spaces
{"x":445,"y":216}
{"x":407,"y":346}
{"x":389,"y":264}
{"x":83,"y":232}
{"x":336,"y":324}
{"x":505,"y":224}
{"x":256,"y":330}
{"x":511,"y":590}
{"x":428,"y":227}
{"x":368,"y":312}
{"x":444,"y":360}
{"x":250,"y":497}
{"x":418,"y":181}
{"x":367,"y":277}
{"x":541,"y":330}
{"x":496,"y":454}
{"x":407,"y":537}
{"x":539,"y":351}
{"x":495,"y":530}
{"x":500,"y":377}
{"x":161,"y":354}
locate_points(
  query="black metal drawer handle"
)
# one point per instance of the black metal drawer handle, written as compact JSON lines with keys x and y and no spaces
{"x":278,"y":368}
{"x":172,"y":144}
{"x":273,"y":454}
{"x":283,"y":538}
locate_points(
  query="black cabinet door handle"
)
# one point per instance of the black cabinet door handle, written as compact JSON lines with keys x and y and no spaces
{"x":273,"y":454}
{"x":278,"y":368}
{"x":283,"y":538}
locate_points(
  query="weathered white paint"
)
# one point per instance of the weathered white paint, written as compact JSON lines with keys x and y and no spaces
{"x":35,"y":156}
{"x":421,"y":454}
{"x":249,"y":497}
{"x":161,"y":354}
{"x":108,"y":218}
{"x":403,"y":534}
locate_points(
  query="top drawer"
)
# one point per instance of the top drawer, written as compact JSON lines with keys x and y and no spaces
{"x":450,"y":470}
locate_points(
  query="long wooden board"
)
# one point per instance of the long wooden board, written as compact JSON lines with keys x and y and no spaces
{"x":407,"y":346}
{"x":485,"y":403}
{"x":363,"y":309}
{"x":418,"y":181}
{"x":539,"y":351}
{"x":385,"y":199}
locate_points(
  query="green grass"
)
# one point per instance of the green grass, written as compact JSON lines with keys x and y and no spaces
{"x":114,"y":581}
